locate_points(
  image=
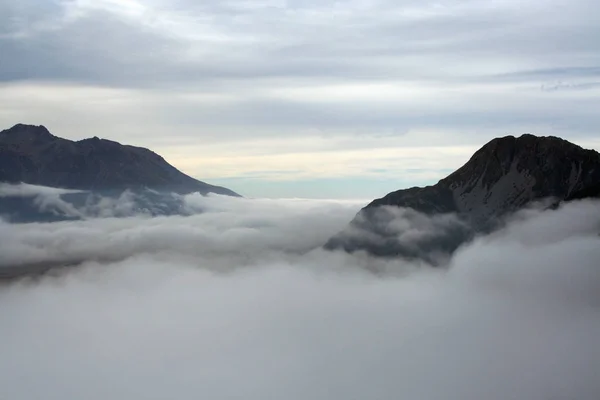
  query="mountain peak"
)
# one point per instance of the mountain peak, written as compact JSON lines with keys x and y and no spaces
{"x":527,"y":141}
{"x":21,"y":128}
{"x":538,"y":159}
{"x":503,"y":176}
{"x":30,"y":131}
{"x":525,"y":144}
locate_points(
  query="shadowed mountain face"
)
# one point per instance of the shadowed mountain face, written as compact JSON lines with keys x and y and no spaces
{"x":504,"y":176}
{"x":31,"y":154}
{"x":45,"y":178}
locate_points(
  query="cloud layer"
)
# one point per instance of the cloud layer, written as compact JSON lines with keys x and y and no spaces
{"x":32,"y":203}
{"x":298,"y":39}
{"x":233,"y":303}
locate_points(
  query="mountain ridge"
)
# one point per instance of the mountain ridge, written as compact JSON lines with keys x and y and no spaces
{"x":31,"y":154}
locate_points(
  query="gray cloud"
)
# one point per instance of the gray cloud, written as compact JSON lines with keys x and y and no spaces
{"x":185,"y":43}
{"x":222,"y":304}
{"x":393,"y":231}
{"x":243,"y":49}
{"x":99,"y":48}
{"x":25,"y":14}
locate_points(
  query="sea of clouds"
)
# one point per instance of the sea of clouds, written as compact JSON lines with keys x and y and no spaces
{"x":237,"y":300}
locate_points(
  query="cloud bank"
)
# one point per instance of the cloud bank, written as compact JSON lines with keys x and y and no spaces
{"x":32,"y":203}
{"x":233,"y":303}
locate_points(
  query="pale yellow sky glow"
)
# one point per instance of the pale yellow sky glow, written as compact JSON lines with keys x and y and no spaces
{"x":421,"y":163}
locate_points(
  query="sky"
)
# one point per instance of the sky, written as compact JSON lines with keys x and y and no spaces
{"x":304,"y":98}
{"x":238,"y":300}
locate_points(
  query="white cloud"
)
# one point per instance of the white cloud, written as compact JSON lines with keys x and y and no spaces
{"x":24,"y":202}
{"x":27,"y":190}
{"x":228,"y":304}
{"x":44,"y":198}
{"x":220,"y":225}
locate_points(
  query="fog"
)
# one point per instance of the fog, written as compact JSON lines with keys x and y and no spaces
{"x":239,"y":301}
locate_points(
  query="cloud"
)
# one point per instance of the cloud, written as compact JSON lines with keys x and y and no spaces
{"x":404,"y":232}
{"x":569,"y":86}
{"x":32,"y":203}
{"x":22,"y":201}
{"x":230,"y":303}
{"x":246,"y":40}
{"x":27,"y":190}
{"x":217,"y":226}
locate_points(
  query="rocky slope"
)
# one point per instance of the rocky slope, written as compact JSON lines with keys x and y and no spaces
{"x":31,"y":154}
{"x":502,"y":177}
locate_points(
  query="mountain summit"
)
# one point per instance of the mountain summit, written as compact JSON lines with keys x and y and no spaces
{"x":31,"y":154}
{"x":502,"y":177}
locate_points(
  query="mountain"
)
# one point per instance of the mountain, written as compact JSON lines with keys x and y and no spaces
{"x":45,"y":178}
{"x":31,"y":154}
{"x":504,"y":176}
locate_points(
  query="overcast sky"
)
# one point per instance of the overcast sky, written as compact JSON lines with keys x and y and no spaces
{"x":307,"y":98}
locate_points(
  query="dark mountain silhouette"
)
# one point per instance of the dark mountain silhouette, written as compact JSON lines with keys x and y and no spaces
{"x":502,"y":177}
{"x":94,"y":177}
{"x":31,"y":154}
